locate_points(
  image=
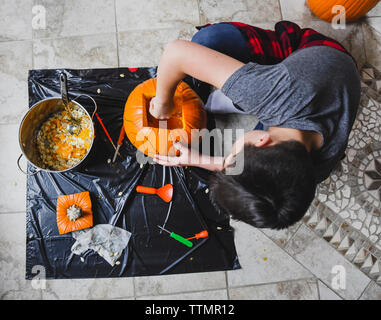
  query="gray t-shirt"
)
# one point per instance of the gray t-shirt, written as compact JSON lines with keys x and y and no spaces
{"x":316,"y":89}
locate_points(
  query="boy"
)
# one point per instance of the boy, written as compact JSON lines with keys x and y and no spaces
{"x":302,"y":86}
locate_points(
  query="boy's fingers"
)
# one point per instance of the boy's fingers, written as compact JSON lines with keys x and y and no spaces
{"x":163,"y":163}
{"x":167,"y":164}
{"x":167,"y":161}
{"x":162,"y":158}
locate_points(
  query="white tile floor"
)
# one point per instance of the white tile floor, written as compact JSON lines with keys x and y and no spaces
{"x":290,"y":264}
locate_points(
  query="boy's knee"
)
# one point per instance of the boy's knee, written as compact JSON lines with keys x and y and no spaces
{"x":208,"y":36}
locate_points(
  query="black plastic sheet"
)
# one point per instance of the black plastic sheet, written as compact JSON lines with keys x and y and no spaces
{"x":114,"y":200}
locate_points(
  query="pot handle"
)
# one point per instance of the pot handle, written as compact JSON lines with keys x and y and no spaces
{"x":95,"y":104}
{"x":63,"y":84}
{"x":26,"y":173}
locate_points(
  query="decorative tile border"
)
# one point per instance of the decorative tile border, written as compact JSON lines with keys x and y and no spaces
{"x":346,"y":211}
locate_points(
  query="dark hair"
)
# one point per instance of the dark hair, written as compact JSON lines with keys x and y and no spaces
{"x":274,"y":190}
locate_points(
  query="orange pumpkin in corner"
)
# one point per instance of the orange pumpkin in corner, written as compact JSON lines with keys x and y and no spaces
{"x":74,"y":212}
{"x":354,"y":9}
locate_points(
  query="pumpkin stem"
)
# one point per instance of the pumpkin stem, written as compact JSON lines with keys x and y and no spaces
{"x":73,"y":212}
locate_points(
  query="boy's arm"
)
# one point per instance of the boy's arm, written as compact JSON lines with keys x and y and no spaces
{"x":181,"y":58}
{"x":190,"y":157}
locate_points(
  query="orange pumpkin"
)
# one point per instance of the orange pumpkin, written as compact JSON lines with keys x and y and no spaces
{"x":151,"y":136}
{"x":78,"y":200}
{"x":354,"y":9}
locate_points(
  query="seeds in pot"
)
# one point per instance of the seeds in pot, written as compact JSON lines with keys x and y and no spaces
{"x":58,"y":149}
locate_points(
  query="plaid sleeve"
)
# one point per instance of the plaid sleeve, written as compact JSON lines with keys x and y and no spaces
{"x":271,"y":47}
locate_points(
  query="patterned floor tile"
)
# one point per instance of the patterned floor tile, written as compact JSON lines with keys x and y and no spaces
{"x":15,"y":20}
{"x":13,"y":182}
{"x":12,"y":259}
{"x":76,"y":18}
{"x":144,"y":48}
{"x":375,"y":12}
{"x":372,"y":292}
{"x":155,"y":14}
{"x":375,"y":23}
{"x":372,"y":38}
{"x":261,"y":259}
{"x":347,"y":209}
{"x":212,"y":11}
{"x":15,"y":61}
{"x":321,"y":259}
{"x":296,"y":10}
{"x":88,"y":289}
{"x":264,"y":11}
{"x":170,"y":284}
{"x":203,"y":295}
{"x":289,"y":290}
{"x":93,"y":51}
{"x":326,"y":293}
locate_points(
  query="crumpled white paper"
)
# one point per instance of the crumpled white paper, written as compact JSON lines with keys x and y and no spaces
{"x":105,"y":239}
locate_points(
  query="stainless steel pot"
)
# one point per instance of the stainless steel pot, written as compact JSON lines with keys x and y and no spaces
{"x":32,"y":121}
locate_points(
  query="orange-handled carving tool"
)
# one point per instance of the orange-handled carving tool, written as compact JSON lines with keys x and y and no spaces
{"x":119,"y":144}
{"x":164,"y":192}
{"x":105,"y":130}
{"x":202,"y":234}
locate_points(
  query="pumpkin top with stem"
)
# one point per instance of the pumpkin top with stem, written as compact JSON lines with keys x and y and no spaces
{"x":67,"y":218}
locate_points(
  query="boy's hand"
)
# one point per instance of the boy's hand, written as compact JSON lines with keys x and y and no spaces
{"x":185,"y":158}
{"x":160,"y":109}
{"x":190,"y":157}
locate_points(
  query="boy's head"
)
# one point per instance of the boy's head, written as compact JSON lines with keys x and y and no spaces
{"x":275,"y":188}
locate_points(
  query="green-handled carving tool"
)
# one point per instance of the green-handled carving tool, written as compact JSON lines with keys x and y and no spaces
{"x":178,"y":238}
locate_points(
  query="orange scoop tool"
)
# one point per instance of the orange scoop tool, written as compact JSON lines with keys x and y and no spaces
{"x":165,"y":192}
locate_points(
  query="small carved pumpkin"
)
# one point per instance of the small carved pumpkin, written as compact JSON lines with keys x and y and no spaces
{"x":74,"y":212}
{"x":354,"y":9}
{"x":152,"y":136}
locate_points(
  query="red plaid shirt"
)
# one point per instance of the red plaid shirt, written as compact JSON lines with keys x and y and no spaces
{"x":271,"y":47}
